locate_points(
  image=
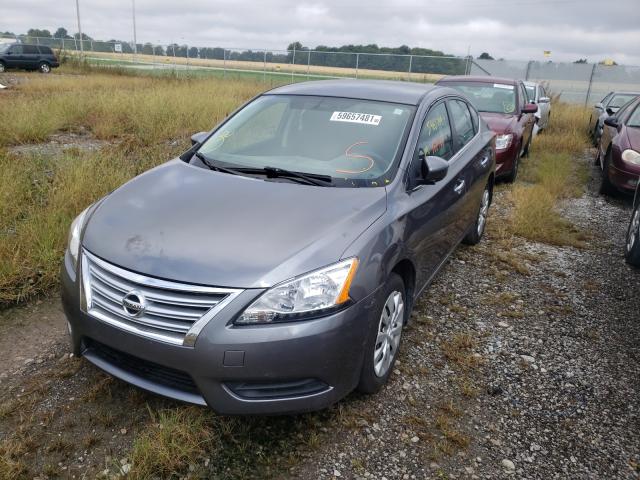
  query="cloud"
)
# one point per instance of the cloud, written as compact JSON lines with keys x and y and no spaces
{"x":515,"y":29}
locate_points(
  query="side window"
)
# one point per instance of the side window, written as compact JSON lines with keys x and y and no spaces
{"x":461,"y":121}
{"x":16,"y":50}
{"x":45,"y":50}
{"x":435,"y":135}
{"x":30,"y":50}
{"x":523,"y":96}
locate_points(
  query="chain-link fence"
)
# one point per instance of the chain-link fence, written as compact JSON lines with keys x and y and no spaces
{"x":576,"y":83}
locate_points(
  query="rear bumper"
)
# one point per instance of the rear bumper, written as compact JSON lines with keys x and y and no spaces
{"x":275,"y":369}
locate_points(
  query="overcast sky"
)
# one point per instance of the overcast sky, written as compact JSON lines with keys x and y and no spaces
{"x":516,"y":29}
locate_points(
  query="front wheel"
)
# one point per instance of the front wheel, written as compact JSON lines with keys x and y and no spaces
{"x":606,"y":187}
{"x":632,"y":247}
{"x":511,"y":177}
{"x":383,"y":343}
{"x":475,"y":235}
{"x":2,"y":67}
{"x":44,"y":67}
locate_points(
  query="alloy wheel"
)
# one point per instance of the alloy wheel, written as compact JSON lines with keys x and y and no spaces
{"x":389,"y":332}
{"x":45,"y":68}
{"x":1,"y":67}
{"x":634,"y":230}
{"x":484,"y":210}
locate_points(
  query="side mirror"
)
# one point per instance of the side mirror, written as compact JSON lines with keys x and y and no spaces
{"x":199,"y":137}
{"x":612,"y":110}
{"x":611,"y":121}
{"x":433,"y":168}
{"x":530,"y":108}
{"x":544,"y":100}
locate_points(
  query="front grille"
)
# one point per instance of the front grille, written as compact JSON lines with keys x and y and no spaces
{"x":150,"y":371}
{"x":171,"y":312}
{"x":277,"y":390}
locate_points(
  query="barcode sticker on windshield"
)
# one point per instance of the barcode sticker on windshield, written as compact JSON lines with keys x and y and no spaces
{"x":353,"y":117}
{"x":502,"y":85}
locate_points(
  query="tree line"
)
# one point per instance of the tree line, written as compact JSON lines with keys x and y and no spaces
{"x":373,"y":57}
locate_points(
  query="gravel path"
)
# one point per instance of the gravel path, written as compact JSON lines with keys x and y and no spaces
{"x":511,"y":375}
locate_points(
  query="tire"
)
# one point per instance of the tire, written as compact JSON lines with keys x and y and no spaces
{"x":525,"y":152}
{"x":596,"y":135}
{"x":475,"y":235}
{"x":513,"y":174}
{"x":632,"y":245}
{"x":44,"y":67}
{"x":2,"y":67}
{"x":606,"y":187}
{"x":376,"y":368}
{"x":596,"y":161}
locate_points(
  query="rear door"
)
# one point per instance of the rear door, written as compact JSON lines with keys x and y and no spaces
{"x":31,"y":56}
{"x":474,"y":160}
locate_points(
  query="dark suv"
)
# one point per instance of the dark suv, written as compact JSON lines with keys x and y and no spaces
{"x":27,"y":57}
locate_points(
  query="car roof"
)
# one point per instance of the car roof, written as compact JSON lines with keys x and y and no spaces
{"x":381,"y":90}
{"x":625,"y":93}
{"x":477,"y":78}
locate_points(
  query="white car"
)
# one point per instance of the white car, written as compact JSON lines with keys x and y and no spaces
{"x":538,"y":95}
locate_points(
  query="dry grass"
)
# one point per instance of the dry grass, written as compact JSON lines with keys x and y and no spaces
{"x":551,"y":174}
{"x":149,"y":121}
{"x":175,"y":439}
{"x":148,"y":109}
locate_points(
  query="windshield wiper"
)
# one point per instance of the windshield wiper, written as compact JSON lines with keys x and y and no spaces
{"x":310,"y":178}
{"x":270,"y":172}
{"x":212,"y":166}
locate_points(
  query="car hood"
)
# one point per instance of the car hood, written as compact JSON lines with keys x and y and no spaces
{"x":633,"y":134}
{"x":189,"y":224}
{"x":499,"y":122}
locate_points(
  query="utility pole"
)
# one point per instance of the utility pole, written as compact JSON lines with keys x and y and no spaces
{"x":135,"y":40}
{"x":79,"y":28}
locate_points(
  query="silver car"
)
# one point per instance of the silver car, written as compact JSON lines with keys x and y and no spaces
{"x":538,"y":95}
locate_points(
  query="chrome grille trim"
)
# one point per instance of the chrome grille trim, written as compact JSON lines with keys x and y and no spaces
{"x":175,"y":312}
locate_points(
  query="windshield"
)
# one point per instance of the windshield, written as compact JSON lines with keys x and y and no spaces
{"x":619,"y":100}
{"x":488,"y":97}
{"x":531,"y":92}
{"x":634,"y":119}
{"x":356,"y":142}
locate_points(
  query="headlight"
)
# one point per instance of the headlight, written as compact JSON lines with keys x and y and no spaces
{"x":503,"y":141}
{"x":74,"y":237}
{"x":308,"y":295}
{"x":631,"y":156}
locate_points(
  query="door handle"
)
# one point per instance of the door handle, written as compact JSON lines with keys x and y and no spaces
{"x":459,"y":187}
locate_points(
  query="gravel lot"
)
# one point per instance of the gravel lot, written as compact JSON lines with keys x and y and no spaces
{"x":519,"y":366}
{"x":556,"y":377}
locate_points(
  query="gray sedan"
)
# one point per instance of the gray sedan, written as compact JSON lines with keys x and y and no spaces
{"x":272,"y":267}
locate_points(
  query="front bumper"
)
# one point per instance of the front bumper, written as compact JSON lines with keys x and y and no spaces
{"x":505,"y":159}
{"x":271,"y":369}
{"x":623,"y":180}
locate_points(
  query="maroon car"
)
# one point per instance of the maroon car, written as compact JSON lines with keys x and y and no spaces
{"x":503,"y":104}
{"x":619,"y":150}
